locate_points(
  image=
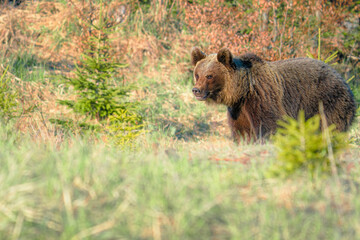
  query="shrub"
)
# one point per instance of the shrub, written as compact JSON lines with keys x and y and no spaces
{"x":301,"y":144}
{"x":124,"y":126}
{"x":97,"y":95}
{"x":8,"y":96}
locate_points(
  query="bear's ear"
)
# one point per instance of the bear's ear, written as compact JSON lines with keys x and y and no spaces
{"x":225,"y":57}
{"x":196,"y":55}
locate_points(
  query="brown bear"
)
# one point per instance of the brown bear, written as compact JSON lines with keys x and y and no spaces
{"x":258,"y":93}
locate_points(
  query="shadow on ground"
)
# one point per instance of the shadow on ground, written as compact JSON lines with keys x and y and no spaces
{"x":198,"y":129}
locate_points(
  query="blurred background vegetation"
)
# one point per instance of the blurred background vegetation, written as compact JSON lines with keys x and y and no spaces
{"x":42,"y":40}
{"x":181,"y":177}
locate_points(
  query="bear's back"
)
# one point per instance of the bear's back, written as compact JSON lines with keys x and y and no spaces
{"x":307,"y":82}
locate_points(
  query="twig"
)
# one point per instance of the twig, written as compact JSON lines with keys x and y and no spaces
{"x":95,"y":230}
{"x":275,"y":31}
{"x":18,"y":226}
{"x":44,"y":122}
{"x":326,"y":133}
{"x":141,"y":14}
{"x":282,"y":32}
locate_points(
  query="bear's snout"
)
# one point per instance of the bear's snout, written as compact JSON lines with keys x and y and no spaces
{"x":196,"y":91}
{"x":200,"y":95}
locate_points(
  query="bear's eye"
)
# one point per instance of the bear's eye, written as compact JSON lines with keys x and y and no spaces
{"x":209,"y":76}
{"x":196,"y":76}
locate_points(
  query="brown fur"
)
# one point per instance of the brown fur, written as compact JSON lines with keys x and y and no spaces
{"x":259,"y":93}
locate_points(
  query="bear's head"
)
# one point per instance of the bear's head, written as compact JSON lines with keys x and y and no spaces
{"x":219,"y":78}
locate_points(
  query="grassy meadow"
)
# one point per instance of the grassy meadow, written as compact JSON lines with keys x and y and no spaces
{"x":183,"y":177}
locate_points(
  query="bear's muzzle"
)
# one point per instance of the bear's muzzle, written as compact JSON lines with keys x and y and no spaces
{"x":201,"y":96}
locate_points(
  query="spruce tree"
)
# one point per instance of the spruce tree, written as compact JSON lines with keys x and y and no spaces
{"x":97,"y":96}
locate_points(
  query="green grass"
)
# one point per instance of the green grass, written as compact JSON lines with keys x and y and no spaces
{"x":170,"y":107}
{"x":26,"y":67}
{"x":183,"y":179}
{"x":164,"y":190}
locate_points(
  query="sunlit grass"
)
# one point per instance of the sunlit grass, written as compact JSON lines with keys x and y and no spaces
{"x":167,"y":190}
{"x":184,"y":178}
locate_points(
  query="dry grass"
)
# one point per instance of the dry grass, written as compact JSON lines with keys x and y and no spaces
{"x":156,"y":46}
{"x":186,"y":178}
